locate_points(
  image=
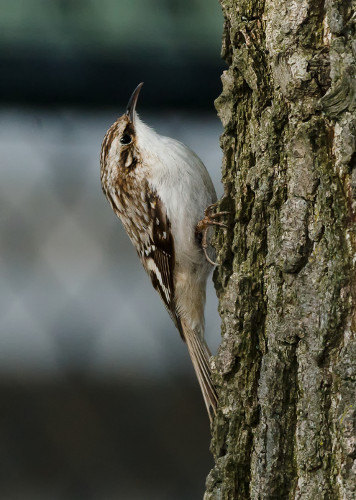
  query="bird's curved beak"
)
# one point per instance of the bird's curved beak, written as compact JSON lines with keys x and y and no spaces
{"x":131,"y":106}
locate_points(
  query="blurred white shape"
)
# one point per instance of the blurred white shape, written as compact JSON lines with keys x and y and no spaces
{"x":71,"y":253}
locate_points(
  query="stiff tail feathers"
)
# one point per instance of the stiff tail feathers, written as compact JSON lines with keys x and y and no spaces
{"x":200,"y":354}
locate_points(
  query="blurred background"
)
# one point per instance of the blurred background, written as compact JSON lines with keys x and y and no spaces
{"x":98,"y":399}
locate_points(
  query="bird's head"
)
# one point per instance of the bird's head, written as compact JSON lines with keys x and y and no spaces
{"x":119,"y":146}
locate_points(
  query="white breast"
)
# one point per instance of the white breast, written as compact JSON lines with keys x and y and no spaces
{"x":182,"y":182}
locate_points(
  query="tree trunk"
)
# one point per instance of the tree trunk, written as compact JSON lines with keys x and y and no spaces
{"x":286,"y":368}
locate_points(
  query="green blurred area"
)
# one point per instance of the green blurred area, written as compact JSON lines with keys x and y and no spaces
{"x":55,"y":47}
{"x":108,"y":25}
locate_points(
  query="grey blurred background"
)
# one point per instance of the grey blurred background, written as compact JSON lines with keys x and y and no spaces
{"x":98,"y":399}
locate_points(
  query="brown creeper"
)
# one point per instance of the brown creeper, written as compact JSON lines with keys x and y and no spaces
{"x":159,"y":189}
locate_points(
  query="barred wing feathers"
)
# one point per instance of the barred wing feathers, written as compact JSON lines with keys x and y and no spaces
{"x":155,"y":246}
{"x":158,"y":256}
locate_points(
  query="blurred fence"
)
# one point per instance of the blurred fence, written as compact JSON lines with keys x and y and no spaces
{"x":98,"y":398}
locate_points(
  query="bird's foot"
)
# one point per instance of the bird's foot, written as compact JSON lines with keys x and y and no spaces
{"x":203,"y":226}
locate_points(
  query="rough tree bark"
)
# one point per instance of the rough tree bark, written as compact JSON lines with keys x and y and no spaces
{"x":286,"y":367}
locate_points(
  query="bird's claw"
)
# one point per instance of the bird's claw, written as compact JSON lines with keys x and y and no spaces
{"x":204,"y":224}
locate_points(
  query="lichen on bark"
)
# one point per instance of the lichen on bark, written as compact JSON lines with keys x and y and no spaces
{"x":286,"y":367}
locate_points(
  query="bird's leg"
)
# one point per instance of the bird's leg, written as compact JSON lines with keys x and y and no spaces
{"x":203,"y":226}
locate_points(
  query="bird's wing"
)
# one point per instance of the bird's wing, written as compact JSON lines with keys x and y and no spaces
{"x":158,"y":256}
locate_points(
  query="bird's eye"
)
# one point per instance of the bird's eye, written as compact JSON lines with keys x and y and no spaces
{"x":125,"y":139}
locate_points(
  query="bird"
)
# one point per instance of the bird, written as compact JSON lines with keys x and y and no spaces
{"x":159,"y":189}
